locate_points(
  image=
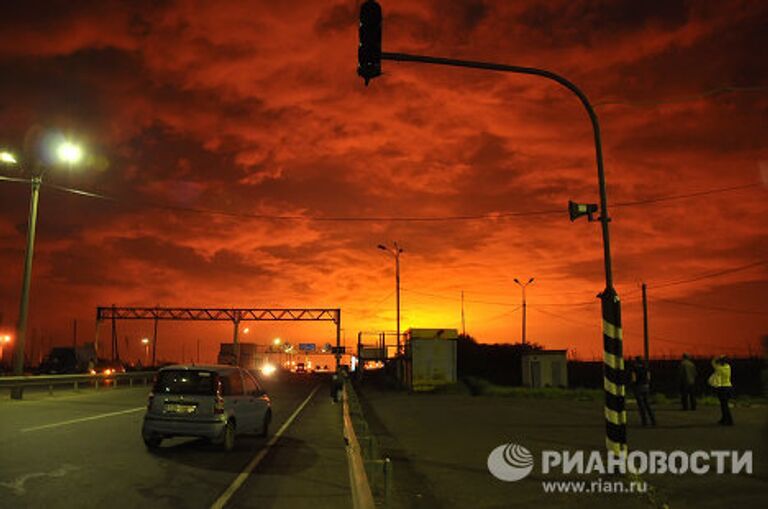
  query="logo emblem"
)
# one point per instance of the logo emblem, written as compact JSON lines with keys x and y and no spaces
{"x":510,"y":462}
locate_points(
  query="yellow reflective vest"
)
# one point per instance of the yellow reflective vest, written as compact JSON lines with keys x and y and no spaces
{"x":722,"y":375}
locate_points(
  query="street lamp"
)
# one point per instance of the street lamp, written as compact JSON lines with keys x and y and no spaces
{"x":145,"y":342}
{"x":4,"y":340}
{"x":521,"y":285}
{"x":66,"y":152}
{"x":369,"y":57}
{"x":7,"y":157}
{"x":395,"y":252}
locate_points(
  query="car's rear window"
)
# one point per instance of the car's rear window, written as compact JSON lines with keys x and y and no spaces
{"x":186,"y":382}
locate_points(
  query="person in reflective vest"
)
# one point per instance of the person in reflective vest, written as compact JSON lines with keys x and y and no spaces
{"x":720,"y":380}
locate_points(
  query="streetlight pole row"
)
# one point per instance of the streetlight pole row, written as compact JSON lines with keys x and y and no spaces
{"x":66,"y":152}
{"x":370,"y":56}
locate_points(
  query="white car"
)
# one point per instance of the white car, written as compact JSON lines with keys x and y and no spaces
{"x":213,"y":402}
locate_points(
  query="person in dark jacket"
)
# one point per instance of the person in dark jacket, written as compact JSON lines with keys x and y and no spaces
{"x":641,"y":385}
{"x":337,"y":383}
{"x":687,"y":375}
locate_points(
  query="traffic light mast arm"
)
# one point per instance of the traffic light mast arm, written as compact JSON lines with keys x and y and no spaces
{"x":604,"y":218}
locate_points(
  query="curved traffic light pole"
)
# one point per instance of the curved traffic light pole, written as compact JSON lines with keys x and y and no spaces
{"x":613,"y":362}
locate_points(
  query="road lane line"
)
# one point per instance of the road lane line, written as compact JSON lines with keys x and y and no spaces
{"x":83,"y":419}
{"x":242,"y":476}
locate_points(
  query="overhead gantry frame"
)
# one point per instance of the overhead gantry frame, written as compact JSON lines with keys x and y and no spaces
{"x":234,"y":315}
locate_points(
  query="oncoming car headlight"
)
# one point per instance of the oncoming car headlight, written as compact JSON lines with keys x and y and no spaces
{"x":268,"y":369}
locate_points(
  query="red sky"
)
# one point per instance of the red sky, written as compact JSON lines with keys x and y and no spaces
{"x":254,"y":108}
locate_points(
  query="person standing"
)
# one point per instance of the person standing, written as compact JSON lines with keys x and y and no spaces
{"x":687,"y":375}
{"x":337,"y":383}
{"x":720,"y":380}
{"x":641,"y":384}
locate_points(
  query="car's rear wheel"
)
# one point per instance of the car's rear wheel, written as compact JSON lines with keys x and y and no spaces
{"x":228,"y":436}
{"x":153,"y":442}
{"x":265,"y":426}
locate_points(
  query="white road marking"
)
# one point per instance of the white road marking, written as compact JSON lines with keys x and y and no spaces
{"x":242,"y":476}
{"x":17,"y":485}
{"x":83,"y":419}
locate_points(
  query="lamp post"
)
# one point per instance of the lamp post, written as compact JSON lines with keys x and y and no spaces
{"x":4,"y":340}
{"x":395,"y":252}
{"x":523,"y":286}
{"x":70,"y":154}
{"x":145,"y":342}
{"x":370,"y":55}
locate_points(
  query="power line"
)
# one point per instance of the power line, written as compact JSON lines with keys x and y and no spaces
{"x":725,"y":89}
{"x":710,"y":307}
{"x":427,"y":294}
{"x":298,"y":217}
{"x":566,"y":304}
{"x":709,"y":275}
{"x":385,"y":298}
{"x":687,"y":195}
{"x":570,"y":320}
{"x":502,"y":315}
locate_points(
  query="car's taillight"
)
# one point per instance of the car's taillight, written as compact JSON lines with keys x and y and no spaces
{"x":218,"y":404}
{"x":150,"y":399}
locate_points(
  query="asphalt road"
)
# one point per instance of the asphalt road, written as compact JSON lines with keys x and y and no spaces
{"x":85,"y":450}
{"x":439,"y":444}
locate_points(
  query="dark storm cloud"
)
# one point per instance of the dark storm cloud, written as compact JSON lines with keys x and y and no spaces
{"x":338,"y":17}
{"x":567,"y":23}
{"x":224,"y":267}
{"x":255,"y":108}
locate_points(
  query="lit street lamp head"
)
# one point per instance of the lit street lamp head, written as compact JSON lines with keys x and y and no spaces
{"x":70,"y":153}
{"x":7,"y":157}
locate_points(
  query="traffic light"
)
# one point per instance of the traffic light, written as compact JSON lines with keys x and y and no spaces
{"x":576,"y":210}
{"x":369,"y":51}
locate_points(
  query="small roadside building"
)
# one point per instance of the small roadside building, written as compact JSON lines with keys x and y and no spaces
{"x":545,"y":368}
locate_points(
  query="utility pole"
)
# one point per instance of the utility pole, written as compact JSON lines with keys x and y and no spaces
{"x":74,"y":333}
{"x":21,"y":327}
{"x":154,"y":344}
{"x":645,"y":325}
{"x":523,"y":286}
{"x":463,"y":322}
{"x":115,"y":353}
{"x":395,"y":252}
{"x":198,"y":350}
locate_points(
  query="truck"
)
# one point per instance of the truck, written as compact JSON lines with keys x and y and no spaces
{"x":250,"y":358}
{"x":68,"y":360}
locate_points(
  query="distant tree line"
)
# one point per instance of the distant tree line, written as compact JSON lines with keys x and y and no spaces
{"x":498,"y":363}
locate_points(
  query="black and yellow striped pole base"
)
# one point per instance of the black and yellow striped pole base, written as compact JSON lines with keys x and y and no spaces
{"x":613,"y":374}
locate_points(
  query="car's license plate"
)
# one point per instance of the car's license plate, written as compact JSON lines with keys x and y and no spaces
{"x":179,"y":408}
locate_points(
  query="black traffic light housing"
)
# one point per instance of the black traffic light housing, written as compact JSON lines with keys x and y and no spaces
{"x":576,"y":210}
{"x":369,"y":51}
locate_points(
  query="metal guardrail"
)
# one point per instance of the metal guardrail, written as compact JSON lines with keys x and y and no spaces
{"x":376,"y":470}
{"x":17,"y":384}
{"x":362,"y":497}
